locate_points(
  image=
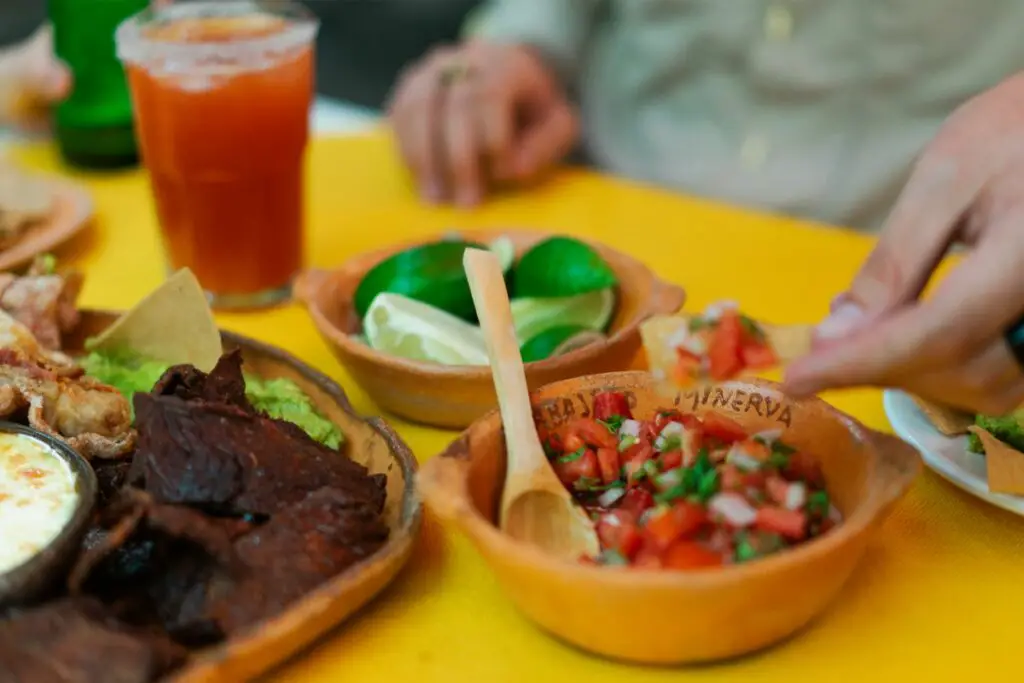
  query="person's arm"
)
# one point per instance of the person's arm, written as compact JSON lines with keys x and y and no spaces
{"x":558,"y":30}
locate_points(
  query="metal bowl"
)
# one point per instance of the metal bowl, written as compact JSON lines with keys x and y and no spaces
{"x":30,"y":580}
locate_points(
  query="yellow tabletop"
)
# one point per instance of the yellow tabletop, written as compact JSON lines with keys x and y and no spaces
{"x":938,"y":596}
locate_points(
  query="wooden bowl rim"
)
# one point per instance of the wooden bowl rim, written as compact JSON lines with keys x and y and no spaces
{"x":310,"y":283}
{"x":443,"y":483}
{"x":399,"y":542}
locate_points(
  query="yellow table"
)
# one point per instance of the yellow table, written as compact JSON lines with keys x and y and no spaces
{"x":939,"y":596}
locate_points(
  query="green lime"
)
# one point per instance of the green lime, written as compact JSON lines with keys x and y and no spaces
{"x":561,"y":266}
{"x":431,"y":273}
{"x":411,"y":329}
{"x":591,"y":311}
{"x":555,"y":341}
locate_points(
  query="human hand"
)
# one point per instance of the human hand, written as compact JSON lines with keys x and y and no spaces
{"x":31,"y":80}
{"x":478,"y":114}
{"x":969,"y":185}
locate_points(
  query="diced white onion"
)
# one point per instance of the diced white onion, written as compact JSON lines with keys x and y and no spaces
{"x":743,"y":460}
{"x":679,"y":337}
{"x":734,"y":509}
{"x":630,"y":428}
{"x":796,"y":495}
{"x":609,"y":497}
{"x":669,"y":431}
{"x":693,"y":344}
{"x":769,"y":436}
{"x":714,"y":311}
{"x":668,"y":480}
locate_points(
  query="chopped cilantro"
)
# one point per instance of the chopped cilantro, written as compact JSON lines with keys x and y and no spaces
{"x":671,"y":495}
{"x":707,"y":487}
{"x":779,"y":457}
{"x":697,"y":323}
{"x":703,"y":462}
{"x":613,"y":423}
{"x":575,"y":455}
{"x":818,"y":503}
{"x":550,"y":451}
{"x":586,"y":484}
{"x":669,"y":443}
{"x":649,"y":469}
{"x":627,"y":443}
{"x":745,"y":550}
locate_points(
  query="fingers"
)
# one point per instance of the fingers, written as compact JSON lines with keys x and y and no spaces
{"x":463,"y":143}
{"x":547,"y":141}
{"x":932,"y":343}
{"x":916,"y":236}
{"x":416,"y":113}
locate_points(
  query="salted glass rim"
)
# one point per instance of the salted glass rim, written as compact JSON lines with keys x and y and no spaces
{"x":135,"y":47}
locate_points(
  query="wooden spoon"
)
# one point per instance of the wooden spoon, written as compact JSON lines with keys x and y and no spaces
{"x":535,"y":506}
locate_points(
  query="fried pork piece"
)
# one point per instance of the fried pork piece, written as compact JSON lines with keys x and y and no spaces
{"x":77,"y":641}
{"x":43,"y":301}
{"x":201,"y":443}
{"x":202,"y":578}
{"x":93,"y":418}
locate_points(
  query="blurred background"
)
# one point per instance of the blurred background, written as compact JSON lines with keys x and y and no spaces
{"x":362,"y":47}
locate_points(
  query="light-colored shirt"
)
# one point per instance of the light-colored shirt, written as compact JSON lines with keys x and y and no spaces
{"x":815,"y":108}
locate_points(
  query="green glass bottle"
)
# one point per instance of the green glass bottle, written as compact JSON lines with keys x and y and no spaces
{"x":93,"y":126}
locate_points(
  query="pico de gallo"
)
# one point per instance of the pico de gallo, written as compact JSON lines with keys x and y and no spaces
{"x":721,"y":344}
{"x":677,"y":491}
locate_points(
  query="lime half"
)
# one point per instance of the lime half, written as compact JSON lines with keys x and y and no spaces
{"x":592,"y":311}
{"x":407,"y":328}
{"x":555,"y":341}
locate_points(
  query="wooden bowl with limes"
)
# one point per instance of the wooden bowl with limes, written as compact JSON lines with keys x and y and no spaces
{"x":454,"y":395}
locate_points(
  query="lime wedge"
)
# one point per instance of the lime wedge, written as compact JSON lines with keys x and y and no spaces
{"x":555,"y":341}
{"x":431,"y":273}
{"x":505,"y":251}
{"x":407,"y":328}
{"x":592,"y":311}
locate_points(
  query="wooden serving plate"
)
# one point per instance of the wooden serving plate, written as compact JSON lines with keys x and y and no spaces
{"x":71,"y":213}
{"x":452,"y":397}
{"x":678,"y":617}
{"x":372,"y":443}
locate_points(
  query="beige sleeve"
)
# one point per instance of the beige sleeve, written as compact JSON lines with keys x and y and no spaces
{"x":557,"y":29}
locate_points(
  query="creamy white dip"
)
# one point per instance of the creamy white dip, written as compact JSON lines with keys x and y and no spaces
{"x":37,"y":497}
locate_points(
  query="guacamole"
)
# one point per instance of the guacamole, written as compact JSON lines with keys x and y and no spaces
{"x":279,"y":398}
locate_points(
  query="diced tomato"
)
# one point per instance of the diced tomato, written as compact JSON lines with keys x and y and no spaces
{"x":611,"y":403}
{"x":724,"y":347}
{"x":671,"y":460}
{"x":649,"y":557}
{"x":689,"y":555}
{"x":753,"y":479}
{"x":637,"y":500}
{"x":592,"y":432}
{"x":758,"y":356}
{"x":687,"y":367}
{"x":608,"y":463}
{"x":730,"y":478}
{"x":777,"y":488}
{"x":664,"y":417}
{"x":791,"y":524}
{"x":756,"y":449}
{"x":583,"y":466}
{"x":618,"y":531}
{"x":722,"y":428}
{"x":633,"y":465}
{"x":648,"y":433}
{"x":802,"y":467}
{"x":572,"y":443}
{"x":679,"y":521}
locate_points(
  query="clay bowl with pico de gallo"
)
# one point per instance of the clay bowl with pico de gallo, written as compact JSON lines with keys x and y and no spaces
{"x":729,"y":517}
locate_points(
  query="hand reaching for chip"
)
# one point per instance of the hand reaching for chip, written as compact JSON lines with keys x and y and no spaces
{"x":955,"y":347}
{"x":31,"y":80}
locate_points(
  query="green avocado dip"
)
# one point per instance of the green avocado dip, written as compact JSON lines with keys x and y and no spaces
{"x":279,"y":398}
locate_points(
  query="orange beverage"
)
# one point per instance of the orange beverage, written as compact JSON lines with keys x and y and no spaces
{"x":222,"y":92}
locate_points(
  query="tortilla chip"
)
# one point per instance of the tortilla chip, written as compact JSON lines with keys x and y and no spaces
{"x":661,"y":335}
{"x":172,"y":324}
{"x":1005,"y":464}
{"x":949,"y":421}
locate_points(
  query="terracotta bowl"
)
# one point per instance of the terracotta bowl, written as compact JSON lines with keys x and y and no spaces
{"x":678,"y":617}
{"x":454,"y":396}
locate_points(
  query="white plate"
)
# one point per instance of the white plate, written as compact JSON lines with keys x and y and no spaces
{"x":946,"y":456}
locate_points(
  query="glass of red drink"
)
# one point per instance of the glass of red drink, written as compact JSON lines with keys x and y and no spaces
{"x":222,"y":91}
